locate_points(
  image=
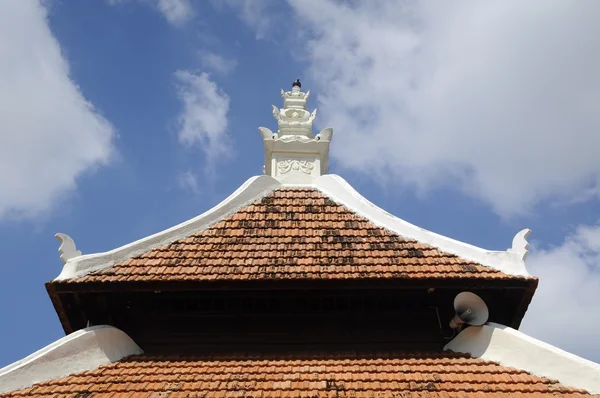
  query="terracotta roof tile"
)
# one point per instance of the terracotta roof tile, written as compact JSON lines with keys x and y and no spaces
{"x":293,"y":233}
{"x":351,"y":375}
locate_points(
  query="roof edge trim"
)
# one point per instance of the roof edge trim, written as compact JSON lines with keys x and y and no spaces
{"x":85,"y":349}
{"x":510,"y":262}
{"x":509,"y":347}
{"x":252,"y":190}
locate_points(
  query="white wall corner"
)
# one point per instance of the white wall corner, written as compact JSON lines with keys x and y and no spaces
{"x":509,"y":347}
{"x":509,"y":262}
{"x":252,"y":190}
{"x":85,"y":349}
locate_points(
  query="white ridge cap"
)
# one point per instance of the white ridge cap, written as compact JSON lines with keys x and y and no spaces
{"x":85,"y":349}
{"x":510,"y":262}
{"x":252,"y":190}
{"x":509,"y":347}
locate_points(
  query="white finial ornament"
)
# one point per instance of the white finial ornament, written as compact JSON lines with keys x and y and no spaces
{"x":67,"y":247}
{"x":520,"y":246}
{"x":294,"y":154}
{"x":294,"y":118}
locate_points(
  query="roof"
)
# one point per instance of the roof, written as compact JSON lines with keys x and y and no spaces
{"x":356,"y":375}
{"x":489,"y":359}
{"x":510,"y":347}
{"x":293,"y":233}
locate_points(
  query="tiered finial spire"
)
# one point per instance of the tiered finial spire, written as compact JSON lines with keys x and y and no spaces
{"x":294,"y":154}
{"x":294,"y":119}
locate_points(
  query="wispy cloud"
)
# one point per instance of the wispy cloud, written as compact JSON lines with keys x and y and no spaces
{"x":565,"y":309}
{"x":257,"y":14}
{"x":203,"y":119}
{"x":501,"y":101}
{"x":49,"y":134}
{"x":218,"y":63}
{"x":176,"y":12}
{"x":189,"y":181}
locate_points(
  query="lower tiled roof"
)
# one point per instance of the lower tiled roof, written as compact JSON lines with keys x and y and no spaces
{"x":293,"y":233}
{"x":341,"y":375}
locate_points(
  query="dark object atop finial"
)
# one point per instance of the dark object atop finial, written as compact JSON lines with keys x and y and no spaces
{"x":297,"y":83}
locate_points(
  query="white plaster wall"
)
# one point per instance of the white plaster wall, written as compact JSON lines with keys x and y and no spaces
{"x":509,"y":347}
{"x":82,"y":350}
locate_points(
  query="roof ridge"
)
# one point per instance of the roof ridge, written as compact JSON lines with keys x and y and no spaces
{"x":509,"y":347}
{"x":253,"y":189}
{"x":511,"y":261}
{"x":79,"y":351}
{"x":462,"y":260}
{"x":290,"y":232}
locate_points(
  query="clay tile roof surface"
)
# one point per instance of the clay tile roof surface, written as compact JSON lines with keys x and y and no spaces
{"x":293,"y":233}
{"x":350,"y":375}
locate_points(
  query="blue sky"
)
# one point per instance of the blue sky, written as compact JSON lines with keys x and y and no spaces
{"x":120,"y":118}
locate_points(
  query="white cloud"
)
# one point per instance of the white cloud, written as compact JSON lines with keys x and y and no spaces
{"x":49,"y":133}
{"x":257,"y":14}
{"x":203,"y":120}
{"x":189,"y":181}
{"x":565,"y":310}
{"x":218,"y":63}
{"x":177,"y":12}
{"x":500,"y":99}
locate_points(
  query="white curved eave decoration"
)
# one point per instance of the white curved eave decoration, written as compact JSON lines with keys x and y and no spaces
{"x":510,"y":262}
{"x":67,"y":248}
{"x":83,"y":350}
{"x":253,"y":189}
{"x":509,"y":347}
